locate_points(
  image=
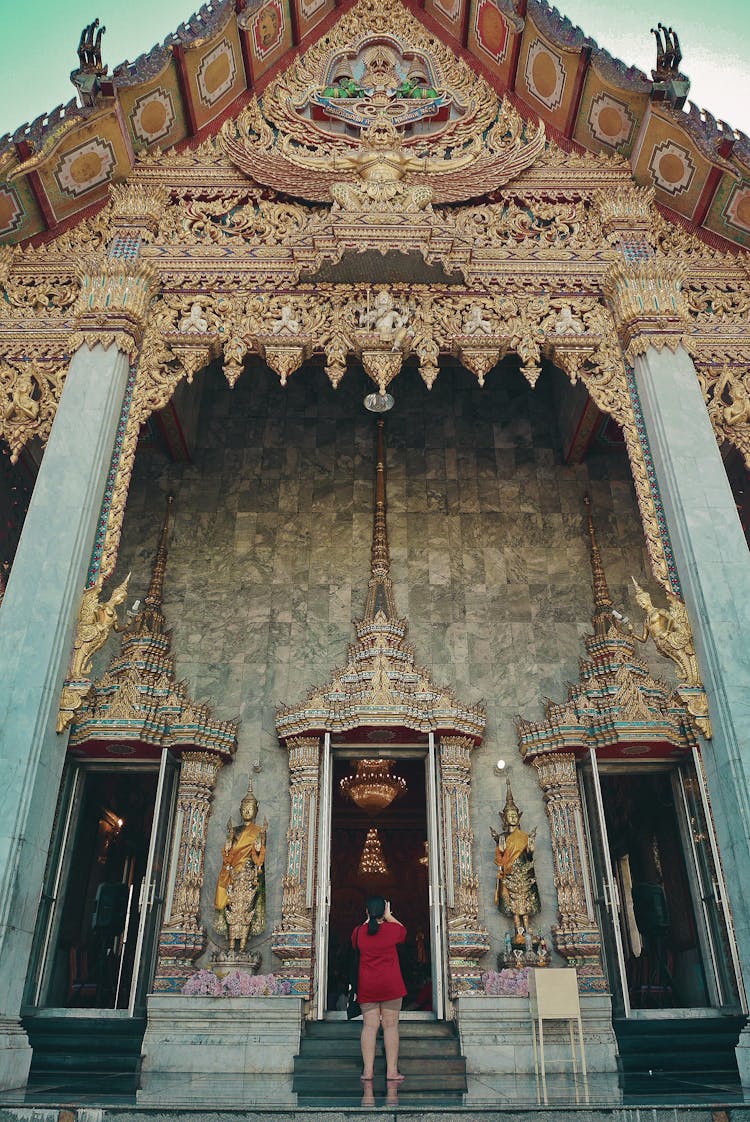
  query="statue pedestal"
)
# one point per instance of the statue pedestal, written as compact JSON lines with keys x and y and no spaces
{"x":224,"y":962}
{"x":190,"y":1037}
{"x":495,"y":1035}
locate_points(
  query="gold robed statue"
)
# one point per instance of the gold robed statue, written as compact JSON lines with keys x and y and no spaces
{"x":240,"y":900}
{"x":516,"y":892}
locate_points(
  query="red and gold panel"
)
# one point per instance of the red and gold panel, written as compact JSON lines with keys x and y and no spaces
{"x":608,"y":117}
{"x":154,"y":110}
{"x":81,"y":167}
{"x":668,"y":158}
{"x":310,"y":13}
{"x":492,"y":37}
{"x":449,"y":14}
{"x":215,"y":74}
{"x":546,"y":76}
{"x":268,"y":34}
{"x":729,"y":214}
{"x":20,"y":216}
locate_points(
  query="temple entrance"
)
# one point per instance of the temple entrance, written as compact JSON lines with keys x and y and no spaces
{"x":381,"y":852}
{"x":668,"y":939}
{"x":101,"y":912}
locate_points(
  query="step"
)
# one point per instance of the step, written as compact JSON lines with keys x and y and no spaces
{"x":335,"y":1064}
{"x":334,"y":1030}
{"x":320,"y":1084}
{"x":316,"y":1046}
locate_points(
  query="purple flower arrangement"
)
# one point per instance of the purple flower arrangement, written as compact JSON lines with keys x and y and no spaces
{"x":238,"y":983}
{"x":506,"y":983}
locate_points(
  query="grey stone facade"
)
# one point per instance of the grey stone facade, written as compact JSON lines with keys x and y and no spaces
{"x":270,"y":554}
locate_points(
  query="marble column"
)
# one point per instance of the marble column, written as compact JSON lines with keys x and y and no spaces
{"x":37,"y":625}
{"x":710,"y":553}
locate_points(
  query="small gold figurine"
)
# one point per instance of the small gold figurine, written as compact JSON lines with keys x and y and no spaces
{"x":96,"y":622}
{"x":240,"y":900}
{"x":670,"y":630}
{"x":516,"y":892}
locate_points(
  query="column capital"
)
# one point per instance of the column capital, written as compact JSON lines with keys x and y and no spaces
{"x":112,"y":305}
{"x":138,"y":208}
{"x":648,"y":303}
{"x":626,"y":210}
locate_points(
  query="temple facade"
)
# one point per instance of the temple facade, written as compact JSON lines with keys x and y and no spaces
{"x":377,"y":380}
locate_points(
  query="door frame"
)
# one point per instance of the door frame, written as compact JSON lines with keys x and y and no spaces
{"x":675,"y":769}
{"x":436,"y":884}
{"x":49,"y":915}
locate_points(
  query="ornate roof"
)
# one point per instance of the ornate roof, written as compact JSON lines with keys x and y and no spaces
{"x":63,"y":163}
{"x":137,"y":706}
{"x":380,"y":688}
{"x":616,"y":706}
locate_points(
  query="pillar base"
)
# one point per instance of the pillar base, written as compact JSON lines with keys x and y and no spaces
{"x":15,"y":1055}
{"x":742,"y":1052}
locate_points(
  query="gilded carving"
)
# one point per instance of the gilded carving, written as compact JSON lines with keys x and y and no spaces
{"x":29,"y":393}
{"x":139,"y":206}
{"x":112,"y":305}
{"x":648,"y":301}
{"x":626,"y":209}
{"x":97,"y":620}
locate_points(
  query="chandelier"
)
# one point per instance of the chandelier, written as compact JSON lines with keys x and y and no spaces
{"x":372,"y":862}
{"x":372,"y":787}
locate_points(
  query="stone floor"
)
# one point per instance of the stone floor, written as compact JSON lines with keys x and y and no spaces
{"x":215,"y":1098}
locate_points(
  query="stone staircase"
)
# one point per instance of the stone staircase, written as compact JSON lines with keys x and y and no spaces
{"x":329,"y":1063}
{"x":672,"y":1045}
{"x":91,"y":1054}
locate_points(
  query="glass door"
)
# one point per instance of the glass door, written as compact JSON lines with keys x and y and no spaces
{"x":152,"y":889}
{"x":606,"y":892}
{"x":720,"y":950}
{"x":436,"y":873}
{"x":323,"y":900}
{"x":93,"y":946}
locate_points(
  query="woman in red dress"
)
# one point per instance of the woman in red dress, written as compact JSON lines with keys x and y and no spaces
{"x":381,"y":987}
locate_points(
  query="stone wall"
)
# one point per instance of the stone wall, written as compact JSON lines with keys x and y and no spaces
{"x":269,"y":561}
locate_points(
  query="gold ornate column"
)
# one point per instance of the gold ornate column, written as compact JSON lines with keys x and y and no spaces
{"x":648,"y":303}
{"x":577,"y":936}
{"x":183,"y":936}
{"x":467,"y":941}
{"x":293,"y":938}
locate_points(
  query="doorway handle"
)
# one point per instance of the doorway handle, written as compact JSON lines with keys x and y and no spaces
{"x":607,"y":896}
{"x":717,"y":893}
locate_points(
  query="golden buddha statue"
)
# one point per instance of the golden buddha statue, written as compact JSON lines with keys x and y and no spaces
{"x":240,"y":899}
{"x":516,"y":892}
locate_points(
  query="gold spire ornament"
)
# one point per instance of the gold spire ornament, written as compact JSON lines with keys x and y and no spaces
{"x":372,"y":787}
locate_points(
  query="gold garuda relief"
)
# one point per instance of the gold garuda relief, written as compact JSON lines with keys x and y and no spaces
{"x":381,"y":120}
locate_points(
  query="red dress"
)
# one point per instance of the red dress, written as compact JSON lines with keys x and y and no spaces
{"x":379,"y":970}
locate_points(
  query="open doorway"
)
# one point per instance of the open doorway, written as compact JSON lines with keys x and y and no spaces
{"x":385,"y":854}
{"x":667,"y":939}
{"x":96,"y":934}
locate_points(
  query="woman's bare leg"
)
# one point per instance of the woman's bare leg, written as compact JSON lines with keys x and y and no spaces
{"x":370,"y":1023}
{"x":390,"y":1041}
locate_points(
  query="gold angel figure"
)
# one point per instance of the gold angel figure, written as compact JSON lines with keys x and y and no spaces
{"x":382,"y":168}
{"x":670,"y":630}
{"x":96,"y":622}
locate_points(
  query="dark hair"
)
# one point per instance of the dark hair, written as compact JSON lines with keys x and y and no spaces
{"x":375,"y":911}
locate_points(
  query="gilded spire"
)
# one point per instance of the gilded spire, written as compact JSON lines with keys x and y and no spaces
{"x":602,"y":600}
{"x":151,"y":618}
{"x":380,"y":590}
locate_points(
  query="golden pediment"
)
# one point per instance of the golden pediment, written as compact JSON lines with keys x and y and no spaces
{"x":379,"y":116}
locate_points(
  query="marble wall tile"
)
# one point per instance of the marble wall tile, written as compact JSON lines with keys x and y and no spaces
{"x":270,"y":555}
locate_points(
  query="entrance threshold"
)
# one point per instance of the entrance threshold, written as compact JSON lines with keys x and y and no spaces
{"x":406,"y":1015}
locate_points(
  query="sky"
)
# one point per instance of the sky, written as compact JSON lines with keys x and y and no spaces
{"x":38,"y":45}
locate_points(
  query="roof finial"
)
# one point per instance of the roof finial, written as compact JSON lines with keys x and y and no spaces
{"x":380,"y":590}
{"x":602,"y":600}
